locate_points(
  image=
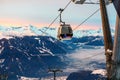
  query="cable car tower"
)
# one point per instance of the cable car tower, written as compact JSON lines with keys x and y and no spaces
{"x":106,"y":32}
{"x":64,"y":31}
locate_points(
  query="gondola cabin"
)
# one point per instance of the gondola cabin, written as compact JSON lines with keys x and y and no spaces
{"x":65,"y":32}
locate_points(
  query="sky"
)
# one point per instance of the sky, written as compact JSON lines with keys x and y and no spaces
{"x":41,"y":13}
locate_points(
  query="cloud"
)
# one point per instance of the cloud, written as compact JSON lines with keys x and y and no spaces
{"x":86,"y":59}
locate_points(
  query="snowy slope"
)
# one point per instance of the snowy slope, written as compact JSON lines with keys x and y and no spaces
{"x":31,"y":55}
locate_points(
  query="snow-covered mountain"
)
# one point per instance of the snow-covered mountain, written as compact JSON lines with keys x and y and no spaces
{"x":31,"y":55}
{"x":29,"y":51}
{"x":32,"y":30}
{"x":77,"y":33}
{"x":84,"y":37}
{"x":81,"y":33}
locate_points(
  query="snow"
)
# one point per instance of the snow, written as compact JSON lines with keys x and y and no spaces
{"x":50,"y":78}
{"x":51,"y":40}
{"x":100,"y":71}
{"x":2,"y":35}
{"x":9,"y":32}
{"x":25,"y":78}
{"x":87,"y":33}
{"x":57,"y":78}
{"x":37,"y":38}
{"x":1,"y":49}
{"x":97,"y":39}
{"x":45,"y":50}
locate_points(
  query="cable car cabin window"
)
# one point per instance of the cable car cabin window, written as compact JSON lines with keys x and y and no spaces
{"x":65,"y":31}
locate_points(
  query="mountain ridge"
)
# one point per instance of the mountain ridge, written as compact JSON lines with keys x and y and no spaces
{"x":19,"y":55}
{"x":32,"y":31}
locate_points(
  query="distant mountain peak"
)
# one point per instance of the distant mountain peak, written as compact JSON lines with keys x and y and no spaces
{"x":8,"y":32}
